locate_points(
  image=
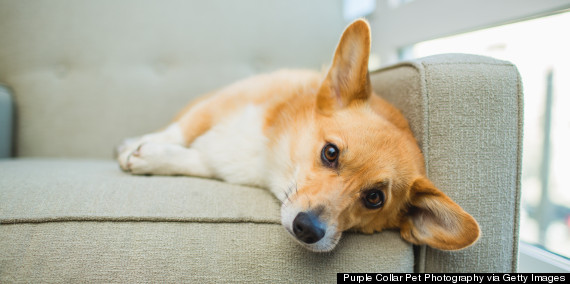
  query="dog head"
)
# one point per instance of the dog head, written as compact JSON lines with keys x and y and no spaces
{"x":361,"y":169}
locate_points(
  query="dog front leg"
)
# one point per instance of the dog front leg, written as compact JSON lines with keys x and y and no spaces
{"x":171,"y":135}
{"x":167,"y":159}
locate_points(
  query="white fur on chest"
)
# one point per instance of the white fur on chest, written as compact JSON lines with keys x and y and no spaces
{"x":236,"y":150}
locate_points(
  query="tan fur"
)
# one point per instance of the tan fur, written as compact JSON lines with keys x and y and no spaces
{"x":377,"y":148}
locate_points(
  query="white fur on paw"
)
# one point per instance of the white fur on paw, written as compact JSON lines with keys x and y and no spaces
{"x":150,"y":158}
{"x":125,"y":150}
{"x":125,"y":145}
{"x":171,"y":135}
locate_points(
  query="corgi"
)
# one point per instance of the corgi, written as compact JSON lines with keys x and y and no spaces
{"x":336,"y":155}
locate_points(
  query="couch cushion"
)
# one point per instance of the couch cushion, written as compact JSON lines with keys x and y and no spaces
{"x":36,"y":190}
{"x":85,"y":220}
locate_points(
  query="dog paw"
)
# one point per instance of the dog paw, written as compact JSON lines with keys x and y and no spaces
{"x":147,"y":158}
{"x":124,"y":151}
{"x":126,"y":145}
{"x":136,"y":162}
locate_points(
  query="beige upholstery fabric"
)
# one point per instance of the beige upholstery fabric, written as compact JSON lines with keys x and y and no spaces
{"x":87,"y":74}
{"x":81,"y":190}
{"x":175,"y":252}
{"x":466,"y":112}
{"x":86,"y":221}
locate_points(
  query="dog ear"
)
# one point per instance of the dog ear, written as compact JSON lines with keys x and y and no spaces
{"x":434,"y":219}
{"x":347,"y":79}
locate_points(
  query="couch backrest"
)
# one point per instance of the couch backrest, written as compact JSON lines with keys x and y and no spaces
{"x":87,"y":74}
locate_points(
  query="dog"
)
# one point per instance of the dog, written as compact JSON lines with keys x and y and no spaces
{"x":337,"y":156}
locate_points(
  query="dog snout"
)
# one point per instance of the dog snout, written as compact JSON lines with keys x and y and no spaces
{"x":308,"y":228}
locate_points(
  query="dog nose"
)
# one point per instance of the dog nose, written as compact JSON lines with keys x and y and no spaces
{"x":308,"y":228}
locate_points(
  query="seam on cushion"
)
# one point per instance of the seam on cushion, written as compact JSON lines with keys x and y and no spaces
{"x":134,"y":219}
{"x":425,"y":144}
{"x":520,"y":134}
{"x":424,"y":64}
{"x":470,"y":63}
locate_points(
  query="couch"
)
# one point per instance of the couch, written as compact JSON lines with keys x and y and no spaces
{"x":79,"y":76}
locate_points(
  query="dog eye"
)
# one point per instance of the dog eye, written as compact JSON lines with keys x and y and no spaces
{"x":329,"y":155}
{"x":374,"y":199}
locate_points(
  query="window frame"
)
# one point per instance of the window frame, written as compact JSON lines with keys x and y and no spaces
{"x":533,"y":259}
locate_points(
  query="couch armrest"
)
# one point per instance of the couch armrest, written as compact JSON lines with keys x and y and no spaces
{"x":466,"y":112}
{"x":6,"y":122}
